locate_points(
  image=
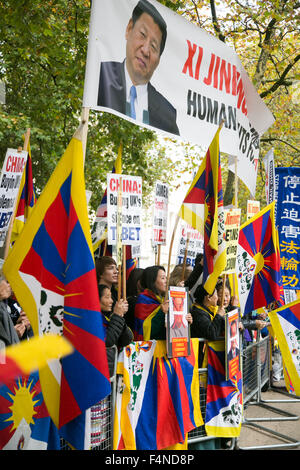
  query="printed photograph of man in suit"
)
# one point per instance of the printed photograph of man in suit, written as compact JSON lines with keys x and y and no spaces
{"x":125,"y":87}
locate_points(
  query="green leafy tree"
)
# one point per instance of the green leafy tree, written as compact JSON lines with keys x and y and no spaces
{"x":42,"y":63}
{"x":43,"y":49}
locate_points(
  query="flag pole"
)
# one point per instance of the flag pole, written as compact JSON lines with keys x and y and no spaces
{"x":119,"y":238}
{"x":185,"y":257}
{"x":158,"y":254}
{"x":84,"y":122}
{"x":124,"y":295}
{"x":236,"y":206}
{"x":223,"y":289}
{"x":171,"y":247}
{"x":10,"y":228}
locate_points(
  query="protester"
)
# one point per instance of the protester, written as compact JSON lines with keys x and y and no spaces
{"x":117,"y":332}
{"x":8,"y":332}
{"x":229,"y":302}
{"x":107,"y":274}
{"x":19,"y":318}
{"x":194,"y":278}
{"x":277,"y":363}
{"x":178,"y":277}
{"x":208,"y":317}
{"x":247,"y":323}
{"x":151,"y":306}
{"x":133,"y":289}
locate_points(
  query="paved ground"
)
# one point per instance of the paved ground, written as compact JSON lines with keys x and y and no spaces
{"x":253,"y":438}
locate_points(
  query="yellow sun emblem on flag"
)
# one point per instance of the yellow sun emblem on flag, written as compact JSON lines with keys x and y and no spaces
{"x":23,"y":404}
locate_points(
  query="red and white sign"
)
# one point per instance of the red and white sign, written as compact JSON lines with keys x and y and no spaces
{"x":130,"y":190}
{"x":10,"y":181}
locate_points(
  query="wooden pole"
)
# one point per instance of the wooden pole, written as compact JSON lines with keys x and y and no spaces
{"x":119,"y":238}
{"x":85,"y":123}
{"x":26,"y":139}
{"x":158,"y":254}
{"x":124,"y":294}
{"x":171,"y":247}
{"x":105,"y":247}
{"x":185,"y":256}
{"x":223,"y":289}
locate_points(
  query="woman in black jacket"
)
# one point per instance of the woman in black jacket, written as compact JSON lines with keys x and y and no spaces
{"x":117,"y":333}
{"x":208,"y":318}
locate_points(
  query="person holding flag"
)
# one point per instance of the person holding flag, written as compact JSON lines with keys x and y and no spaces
{"x":203,"y":209}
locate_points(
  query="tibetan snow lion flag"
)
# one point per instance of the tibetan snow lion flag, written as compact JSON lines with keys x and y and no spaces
{"x":157,"y":401}
{"x":25,"y":423}
{"x":99,"y":232}
{"x":258,"y":240}
{"x":286,"y":325}
{"x":224,"y":403}
{"x":28,"y":356}
{"x":52,"y":273}
{"x":203,"y":209}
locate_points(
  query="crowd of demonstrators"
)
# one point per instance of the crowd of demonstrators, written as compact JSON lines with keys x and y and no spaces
{"x":14,"y":324}
{"x":144,"y":310}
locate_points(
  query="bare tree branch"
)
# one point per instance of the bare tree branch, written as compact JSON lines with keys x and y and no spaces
{"x":281,"y":80}
{"x":275,"y":139}
{"x":215,"y":21}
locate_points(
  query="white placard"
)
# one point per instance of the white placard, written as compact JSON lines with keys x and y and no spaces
{"x":10,"y":181}
{"x":232,"y":227}
{"x":131,"y":196}
{"x":195,"y":244}
{"x":160,"y":213}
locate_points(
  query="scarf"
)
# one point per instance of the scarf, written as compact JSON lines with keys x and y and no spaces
{"x":147,"y":306}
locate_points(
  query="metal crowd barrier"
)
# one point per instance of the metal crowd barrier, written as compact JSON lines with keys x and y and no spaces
{"x":256,"y":372}
{"x":256,"y":361}
{"x":198,"y":435}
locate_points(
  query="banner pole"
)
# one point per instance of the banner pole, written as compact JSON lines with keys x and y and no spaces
{"x":85,"y":123}
{"x":124,"y":295}
{"x":236,"y":206}
{"x":170,"y":249}
{"x":223,"y":289}
{"x":158,"y":254}
{"x":185,"y":257}
{"x":119,"y":238}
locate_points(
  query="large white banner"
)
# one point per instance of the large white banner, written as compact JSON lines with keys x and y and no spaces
{"x":184,"y":88}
